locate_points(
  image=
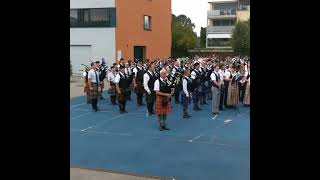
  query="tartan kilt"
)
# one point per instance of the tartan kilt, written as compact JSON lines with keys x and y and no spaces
{"x":112,"y":90}
{"x":150,"y":98}
{"x":196,"y":95}
{"x":233,"y":94}
{"x":159,"y":108}
{"x":94,"y":93}
{"x":122,"y":96}
{"x":185,"y":100}
{"x":246,"y":99}
{"x":205,"y":87}
{"x":139,"y":89}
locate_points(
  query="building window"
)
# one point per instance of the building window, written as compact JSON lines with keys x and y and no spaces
{"x":213,"y":42}
{"x":147,"y":22}
{"x":96,"y":17}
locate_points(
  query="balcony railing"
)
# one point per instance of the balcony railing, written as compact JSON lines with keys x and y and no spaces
{"x":222,"y":13}
{"x":220,"y":29}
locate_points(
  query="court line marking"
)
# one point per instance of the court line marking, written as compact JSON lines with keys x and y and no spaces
{"x":207,"y":132}
{"x":81,"y":115}
{"x":77,"y":105}
{"x":157,"y":137}
{"x":215,"y":116}
{"x":104,"y":132}
{"x":102,"y":122}
{"x":88,"y":110}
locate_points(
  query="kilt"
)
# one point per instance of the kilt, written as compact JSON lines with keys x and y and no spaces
{"x":159,"y":108}
{"x":150,"y":98}
{"x":206,"y":87}
{"x":185,"y":101}
{"x":94,"y":93}
{"x":196,"y":95}
{"x":139,"y":89}
{"x":233,"y":94}
{"x":122,"y":96}
{"x":112,"y":90}
{"x":246,"y":99}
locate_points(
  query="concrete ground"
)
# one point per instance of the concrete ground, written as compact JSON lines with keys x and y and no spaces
{"x":76,"y":89}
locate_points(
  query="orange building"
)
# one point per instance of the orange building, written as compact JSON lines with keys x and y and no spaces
{"x":143,"y":29}
{"x":114,"y":29}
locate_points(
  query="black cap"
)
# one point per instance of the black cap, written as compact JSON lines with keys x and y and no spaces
{"x":98,"y":62}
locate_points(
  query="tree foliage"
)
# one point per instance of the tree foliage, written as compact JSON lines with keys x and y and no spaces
{"x":240,"y":40}
{"x":183,"y":36}
{"x":203,"y":37}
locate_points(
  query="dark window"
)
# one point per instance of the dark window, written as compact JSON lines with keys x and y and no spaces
{"x":98,"y":17}
{"x":74,"y":15}
{"x":147,"y":22}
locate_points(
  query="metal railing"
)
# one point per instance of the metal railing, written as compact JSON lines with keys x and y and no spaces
{"x":219,"y":29}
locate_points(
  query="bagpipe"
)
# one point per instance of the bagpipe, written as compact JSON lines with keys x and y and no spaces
{"x":103,"y":72}
{"x":174,"y":78}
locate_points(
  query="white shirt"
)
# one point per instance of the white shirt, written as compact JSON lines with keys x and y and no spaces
{"x":184,"y":86}
{"x":111,"y":77}
{"x":84,"y":74}
{"x":193,"y":74}
{"x":92,"y":76}
{"x":146,"y":79}
{"x":227,"y":74}
{"x":117,"y":79}
{"x":213,"y":76}
{"x":135,"y":70}
{"x":157,"y":84}
{"x":221,"y":73}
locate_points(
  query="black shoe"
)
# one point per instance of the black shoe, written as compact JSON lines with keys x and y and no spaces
{"x":195,"y":109}
{"x":188,"y":115}
{"x":125,"y":111}
{"x":160,"y":128}
{"x":121,"y":112}
{"x":141,"y":104}
{"x":185,"y":116}
{"x":199,"y":109}
{"x":205,"y":103}
{"x":165,"y":128}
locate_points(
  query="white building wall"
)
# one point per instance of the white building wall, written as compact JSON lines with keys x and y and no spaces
{"x":101,"y":40}
{"x":80,"y":4}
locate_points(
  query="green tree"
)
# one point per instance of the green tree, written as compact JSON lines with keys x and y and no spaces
{"x":240,"y":40}
{"x":203,"y":37}
{"x":183,"y":36}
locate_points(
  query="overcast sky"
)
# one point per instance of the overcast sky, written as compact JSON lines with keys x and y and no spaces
{"x":196,"y":10}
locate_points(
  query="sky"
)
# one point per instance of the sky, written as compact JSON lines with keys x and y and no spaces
{"x":196,"y":10}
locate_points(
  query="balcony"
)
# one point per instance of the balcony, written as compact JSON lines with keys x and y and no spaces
{"x":221,"y":14}
{"x":219,"y":29}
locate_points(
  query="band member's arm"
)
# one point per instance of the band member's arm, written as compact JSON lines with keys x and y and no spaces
{"x":89,"y":81}
{"x":135,"y":70}
{"x":117,"y":80}
{"x":184,"y":87}
{"x":193,"y":75}
{"x":213,"y":78}
{"x":157,"y":89}
{"x":145,"y":83}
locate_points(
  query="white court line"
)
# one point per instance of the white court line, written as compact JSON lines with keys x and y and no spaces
{"x":77,"y":105}
{"x":81,"y":115}
{"x":215,"y":116}
{"x":105,"y":132}
{"x":88,"y":110}
{"x":102,"y":122}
